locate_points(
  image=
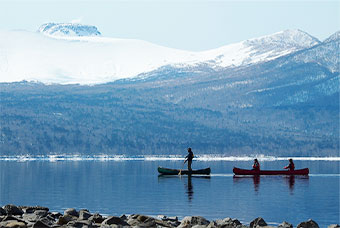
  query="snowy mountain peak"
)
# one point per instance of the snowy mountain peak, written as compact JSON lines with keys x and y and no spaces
{"x":83,"y":56}
{"x":286,"y":39}
{"x":68,"y":29}
{"x":335,"y":36}
{"x":262,"y":49}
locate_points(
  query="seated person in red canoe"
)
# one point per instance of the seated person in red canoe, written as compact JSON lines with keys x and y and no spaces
{"x":291,"y":165}
{"x":256,"y":165}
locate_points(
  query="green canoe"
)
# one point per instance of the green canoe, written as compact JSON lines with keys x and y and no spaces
{"x":166,"y":171}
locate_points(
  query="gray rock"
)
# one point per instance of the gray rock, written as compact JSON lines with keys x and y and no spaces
{"x":48,"y":220}
{"x":333,"y":226}
{"x":84,"y":215}
{"x":97,"y":218}
{"x":38,"y":215}
{"x":190,"y":221}
{"x":12,"y":210}
{"x":141,"y":220}
{"x":41,"y":213}
{"x":13,"y":224}
{"x":63,"y":220}
{"x":12,"y":218}
{"x":213,"y":224}
{"x":30,"y":209}
{"x":161,"y":223}
{"x":79,"y":223}
{"x":71,"y":211}
{"x":113,"y":220}
{"x":228,"y":223}
{"x":2,"y":211}
{"x":308,"y":224}
{"x":40,"y":224}
{"x":55,"y":215}
{"x":114,"y":226}
{"x":30,"y":217}
{"x":285,"y":225}
{"x":257,"y":222}
{"x":172,"y":221}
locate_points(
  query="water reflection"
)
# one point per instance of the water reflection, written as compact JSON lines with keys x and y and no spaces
{"x":188,"y":183}
{"x":190,"y":189}
{"x":256,"y":181}
{"x":289,"y":180}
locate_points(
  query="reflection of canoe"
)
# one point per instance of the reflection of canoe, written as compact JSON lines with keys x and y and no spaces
{"x":166,"y":171}
{"x":238,"y":171}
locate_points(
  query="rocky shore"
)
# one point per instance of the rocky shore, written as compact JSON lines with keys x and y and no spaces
{"x":41,"y":217}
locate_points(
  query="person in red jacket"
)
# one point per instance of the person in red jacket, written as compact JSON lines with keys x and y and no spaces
{"x":291,"y":165}
{"x":256,"y":165}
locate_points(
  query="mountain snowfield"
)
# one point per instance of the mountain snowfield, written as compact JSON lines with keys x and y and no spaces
{"x":73,"y":53}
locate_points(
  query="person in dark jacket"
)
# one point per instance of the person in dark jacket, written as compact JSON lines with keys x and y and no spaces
{"x":256,"y":165}
{"x":291,"y":165}
{"x":189,"y":158}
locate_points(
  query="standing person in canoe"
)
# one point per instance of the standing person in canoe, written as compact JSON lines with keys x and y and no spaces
{"x":291,"y":165}
{"x":256,"y":165}
{"x":189,"y":158}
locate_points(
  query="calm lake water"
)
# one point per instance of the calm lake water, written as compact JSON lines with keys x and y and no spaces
{"x":133,"y":186}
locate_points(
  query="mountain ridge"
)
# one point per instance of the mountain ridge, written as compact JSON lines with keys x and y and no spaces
{"x":97,"y":59}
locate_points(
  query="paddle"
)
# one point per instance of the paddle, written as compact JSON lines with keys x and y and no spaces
{"x":180,"y":171}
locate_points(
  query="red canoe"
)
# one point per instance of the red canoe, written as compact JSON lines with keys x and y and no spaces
{"x":238,"y":171}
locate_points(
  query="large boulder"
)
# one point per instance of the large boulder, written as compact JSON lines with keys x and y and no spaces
{"x":308,"y":224}
{"x":113,"y":220}
{"x":172,"y":221}
{"x":79,"y":224}
{"x":190,"y":221}
{"x":2,"y":212}
{"x":257,"y":222}
{"x":285,"y":225}
{"x":228,"y":222}
{"x":63,"y":220}
{"x":141,"y":220}
{"x":13,"y":224}
{"x":12,"y":218}
{"x":96,"y":218}
{"x":40,"y":224}
{"x":84,"y":214}
{"x":12,"y":210}
{"x":55,"y":215}
{"x":71,"y":211}
{"x":38,"y":215}
{"x":32,"y":209}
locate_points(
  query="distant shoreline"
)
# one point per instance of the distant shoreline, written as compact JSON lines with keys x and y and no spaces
{"x":204,"y":157}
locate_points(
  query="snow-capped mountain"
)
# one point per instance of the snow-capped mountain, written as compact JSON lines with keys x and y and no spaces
{"x":262,"y":49}
{"x":68,"y":29}
{"x":73,"y":53}
{"x":335,"y":36}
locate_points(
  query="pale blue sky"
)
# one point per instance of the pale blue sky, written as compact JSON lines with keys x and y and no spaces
{"x":184,"y":24}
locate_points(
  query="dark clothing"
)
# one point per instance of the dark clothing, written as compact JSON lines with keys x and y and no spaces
{"x":189,"y":165}
{"x":189,"y":158}
{"x":291,"y":166}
